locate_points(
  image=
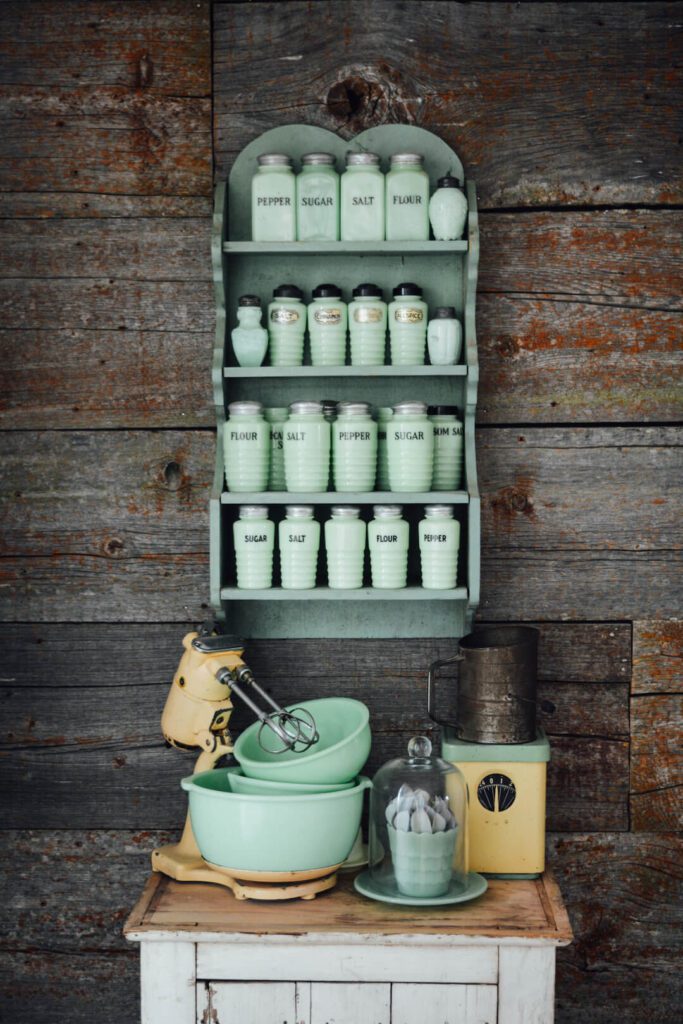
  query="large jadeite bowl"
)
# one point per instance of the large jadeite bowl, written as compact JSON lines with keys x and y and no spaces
{"x":272,"y":833}
{"x":338,"y":756}
{"x":241,"y":783}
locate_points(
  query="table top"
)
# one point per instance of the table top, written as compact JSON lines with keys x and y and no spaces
{"x":510,"y":909}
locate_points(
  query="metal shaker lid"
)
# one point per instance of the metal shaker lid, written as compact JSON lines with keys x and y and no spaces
{"x":253,"y":511}
{"x":353,"y":408}
{"x":406,"y":159}
{"x":317,"y":158}
{"x":438,"y":511}
{"x":387,"y":511}
{"x":274,"y":160}
{"x":410,"y":408}
{"x":345,"y":511}
{"x":306,"y":406}
{"x":245,"y":408}
{"x":299,"y":511}
{"x":361,"y":159}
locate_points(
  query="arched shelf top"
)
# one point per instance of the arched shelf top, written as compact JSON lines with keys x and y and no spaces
{"x":297,"y":139}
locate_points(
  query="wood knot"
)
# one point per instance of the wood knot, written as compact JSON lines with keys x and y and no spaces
{"x":368,"y":96}
{"x":511,"y":500}
{"x":507,"y":345}
{"x":172,"y":475}
{"x":113,"y":547}
{"x":145,"y":71}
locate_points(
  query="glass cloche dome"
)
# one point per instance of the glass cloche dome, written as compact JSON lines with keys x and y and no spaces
{"x":418,"y":811}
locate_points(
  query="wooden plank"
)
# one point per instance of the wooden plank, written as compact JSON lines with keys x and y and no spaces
{"x":250,"y":1002}
{"x":58,"y":205}
{"x":467,"y":1004}
{"x":347,"y":1004}
{"x":168,"y":983}
{"x":537,"y":116}
{"x":587,"y":784}
{"x":656,"y":764}
{"x":657,"y":657}
{"x":526,"y":986}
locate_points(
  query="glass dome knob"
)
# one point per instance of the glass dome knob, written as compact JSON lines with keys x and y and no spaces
{"x":419,"y":746}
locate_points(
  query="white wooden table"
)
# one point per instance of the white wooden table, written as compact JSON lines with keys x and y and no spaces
{"x":342,"y":959}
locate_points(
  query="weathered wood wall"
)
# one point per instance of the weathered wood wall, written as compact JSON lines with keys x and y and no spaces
{"x":566,"y":116}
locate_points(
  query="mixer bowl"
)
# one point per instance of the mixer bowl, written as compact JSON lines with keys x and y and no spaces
{"x":241,"y":783}
{"x":338,"y":756}
{"x":254,"y":832}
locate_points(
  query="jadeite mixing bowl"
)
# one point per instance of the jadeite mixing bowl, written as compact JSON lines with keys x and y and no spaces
{"x":338,"y":756}
{"x":241,"y":783}
{"x":272,"y":833}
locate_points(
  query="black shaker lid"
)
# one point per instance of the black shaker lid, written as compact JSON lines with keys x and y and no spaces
{"x":445,"y":312}
{"x":407,"y":288}
{"x":442,"y":410}
{"x":249,"y":300}
{"x":288,"y":291}
{"x":326,"y":291}
{"x":362,"y":291}
{"x":448,"y":181}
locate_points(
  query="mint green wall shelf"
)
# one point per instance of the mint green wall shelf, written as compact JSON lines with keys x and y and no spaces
{"x":447,"y":272}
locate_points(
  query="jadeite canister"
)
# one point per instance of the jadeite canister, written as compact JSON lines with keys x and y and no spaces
{"x":246,"y":446}
{"x":307,"y":447}
{"x":354,"y":447}
{"x":410,"y":446}
{"x":287,"y":326}
{"x":345,"y":534}
{"x":388,"y":543}
{"x":362,"y":199}
{"x":327,"y":324}
{"x":407,"y":198}
{"x":367,"y":326}
{"x":407,"y":326}
{"x":249,"y":338}
{"x":273,"y":197}
{"x":254,"y":536}
{"x":439,"y":538}
{"x":317,"y":199}
{"x":384,"y":414}
{"x":447,"y":469}
{"x":299,"y":536}
{"x":444,"y":337}
{"x":448,"y":210}
{"x":276,"y":419}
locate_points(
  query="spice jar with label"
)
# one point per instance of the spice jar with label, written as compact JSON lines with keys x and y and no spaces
{"x":327,"y":323}
{"x":388,"y":542}
{"x":317,"y":199}
{"x":384,"y":414}
{"x":276,"y":418}
{"x":287,"y":326}
{"x":345,"y":534}
{"x":246,"y":446}
{"x":444,"y":337}
{"x":299,"y":536}
{"x":362,"y":199}
{"x":407,"y":326}
{"x":447,"y":471}
{"x":367,"y":326}
{"x":354,"y":447}
{"x":410,"y":444}
{"x":407,"y":199}
{"x":273,"y":197}
{"x":439,"y":535}
{"x":307,"y":447}
{"x":448,"y":210}
{"x":249,"y":338}
{"x":254,"y":536}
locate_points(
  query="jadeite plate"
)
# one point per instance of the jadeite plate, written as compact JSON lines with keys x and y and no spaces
{"x":388,"y":892}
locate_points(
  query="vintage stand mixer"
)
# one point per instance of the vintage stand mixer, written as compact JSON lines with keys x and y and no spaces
{"x":197,"y":714}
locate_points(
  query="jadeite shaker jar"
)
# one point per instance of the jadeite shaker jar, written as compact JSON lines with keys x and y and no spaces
{"x":384,"y":414}
{"x":276,"y":419}
{"x":246,"y":445}
{"x":407,"y":326}
{"x":249,"y":338}
{"x":307,"y":448}
{"x":448,"y":210}
{"x":367,"y":326}
{"x":388,"y":543}
{"x":317,"y":199}
{"x":410,"y":445}
{"x":439,"y":538}
{"x":447,"y":468}
{"x":254,"y":536}
{"x":327,"y":323}
{"x":273,"y":197}
{"x":286,"y":326}
{"x":354,"y":447}
{"x":407,"y":198}
{"x":444,"y":337}
{"x":362,"y":199}
{"x":299,"y":536}
{"x":345,"y":534}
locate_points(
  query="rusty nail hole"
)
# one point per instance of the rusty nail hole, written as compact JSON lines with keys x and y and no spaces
{"x":181,"y":681}
{"x":172,"y":475}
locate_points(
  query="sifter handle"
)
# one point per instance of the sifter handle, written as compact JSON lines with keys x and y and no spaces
{"x":431,"y":687}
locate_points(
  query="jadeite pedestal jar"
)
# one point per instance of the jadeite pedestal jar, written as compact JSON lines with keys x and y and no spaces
{"x":249,"y":338}
{"x":254,"y":536}
{"x":327,"y":324}
{"x":388,"y":543}
{"x":384,"y":414}
{"x":367,"y":326}
{"x":448,"y":210}
{"x":345,"y":534}
{"x":448,"y":438}
{"x":407,"y":199}
{"x":354,"y":447}
{"x":444,"y":337}
{"x":287,"y":326}
{"x":273,"y":198}
{"x":246,"y":446}
{"x":410,"y":446}
{"x":317,"y":199}
{"x":362,"y":199}
{"x":299,"y":537}
{"x":407,"y":326}
{"x":439,"y":537}
{"x":307,"y":448}
{"x":276,"y":419}
{"x":418,"y":807}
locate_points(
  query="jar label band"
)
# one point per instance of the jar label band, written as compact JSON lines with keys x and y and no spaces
{"x":284,"y":316}
{"x":327,"y":316}
{"x":408,"y":315}
{"x":367,"y":315}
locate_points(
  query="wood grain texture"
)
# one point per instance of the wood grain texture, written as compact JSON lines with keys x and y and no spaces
{"x":537,"y":114}
{"x":657,"y":657}
{"x":656,"y":763}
